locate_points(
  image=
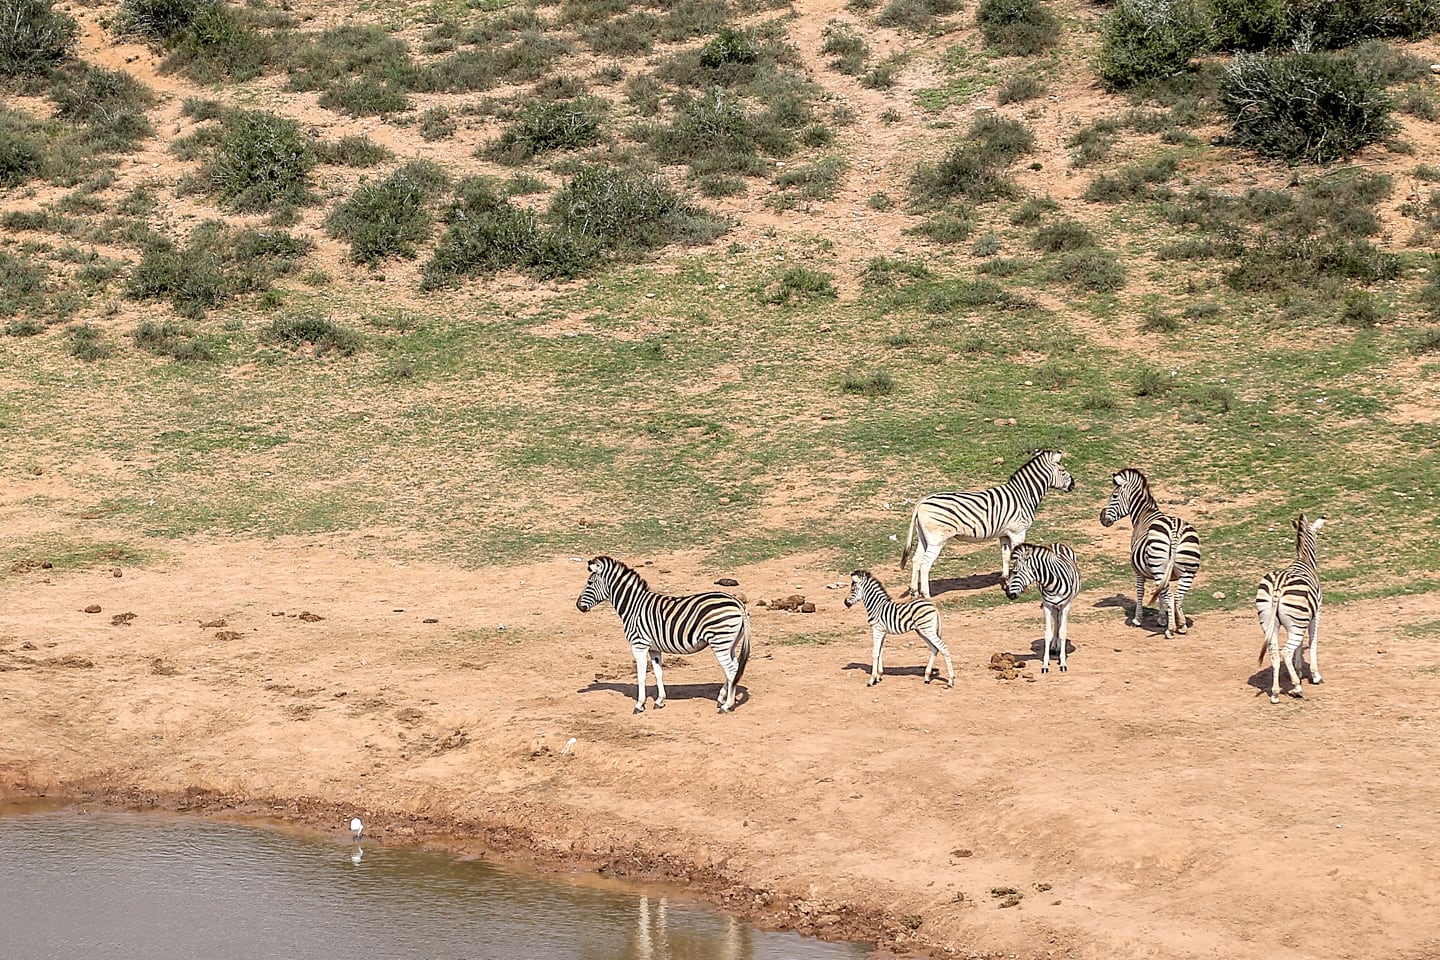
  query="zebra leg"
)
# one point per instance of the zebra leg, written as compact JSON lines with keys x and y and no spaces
{"x":877,"y":669}
{"x":1167,"y":611}
{"x":1314,"y":647}
{"x":1292,"y":647}
{"x":1187,"y":580}
{"x":659,"y":680}
{"x":1139,"y":614}
{"x":725,"y":702}
{"x":1273,"y":640}
{"x":1064,"y":615}
{"x":640,"y":659}
{"x":1049,"y":632}
{"x":926,"y":559}
{"x":1006,"y":548}
{"x":929,"y":665}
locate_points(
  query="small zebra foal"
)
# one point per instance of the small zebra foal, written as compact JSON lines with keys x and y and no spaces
{"x":1055,"y":570}
{"x":887,"y":617}
{"x":1290,"y":598}
{"x":656,"y":624}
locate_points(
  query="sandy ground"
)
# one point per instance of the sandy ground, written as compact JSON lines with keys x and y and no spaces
{"x":1149,"y":803}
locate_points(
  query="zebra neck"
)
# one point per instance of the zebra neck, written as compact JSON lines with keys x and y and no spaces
{"x":628,"y":593}
{"x":1030,"y":483}
{"x":1305,"y":555}
{"x":1144,"y":510}
{"x":875,"y":598}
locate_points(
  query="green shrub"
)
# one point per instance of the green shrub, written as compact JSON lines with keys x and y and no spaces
{"x":1426,"y":341}
{"x":813,"y":181}
{"x":1305,"y":106}
{"x":318,"y":333}
{"x":352,"y":151}
{"x":21,"y":158}
{"x":437,"y":124}
{"x":1018,"y":27}
{"x":847,"y":48}
{"x":1150,"y":40}
{"x":729,"y":46}
{"x":22,"y":285}
{"x":162,"y":19}
{"x":712,"y":132}
{"x":882,"y":75}
{"x":388,"y":218}
{"x":489,"y":238}
{"x":1156,"y":320}
{"x":798,"y":284}
{"x":627,"y":210}
{"x":1020,"y":88}
{"x":1359,"y":309}
{"x":34,"y":37}
{"x":1152,"y":383}
{"x":1334,"y":24}
{"x":261,"y":160}
{"x":543,"y":127}
{"x":945,"y":226}
{"x":915,"y":15}
{"x":876,"y":383}
{"x":365,"y":97}
{"x":219,"y":44}
{"x":86,"y":342}
{"x":1090,"y":269}
{"x":1131,"y":183}
{"x":218,"y":263}
{"x":110,"y":103}
{"x":628,"y":36}
{"x":1061,"y":236}
{"x":975,"y":169}
{"x":1248,"y":24}
{"x":172,"y":340}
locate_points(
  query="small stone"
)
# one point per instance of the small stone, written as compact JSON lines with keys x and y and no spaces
{"x":1218,"y":594}
{"x":727,"y":582}
{"x":939,"y":427}
{"x":93,"y":608}
{"x":430,"y":620}
{"x":807,"y":607}
{"x":212,"y":624}
{"x":309,"y":617}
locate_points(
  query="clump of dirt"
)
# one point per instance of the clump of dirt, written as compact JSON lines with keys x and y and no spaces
{"x":77,"y":663}
{"x":452,"y":741}
{"x":727,"y":582}
{"x":1008,"y":896}
{"x":28,"y":564}
{"x":309,"y":617}
{"x":409,"y":715}
{"x":161,"y":667}
{"x":227,"y":635}
{"x":795,"y":603}
{"x":122,"y":619}
{"x":212,"y":624}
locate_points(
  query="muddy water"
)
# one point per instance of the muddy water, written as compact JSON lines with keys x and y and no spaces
{"x":108,"y":886}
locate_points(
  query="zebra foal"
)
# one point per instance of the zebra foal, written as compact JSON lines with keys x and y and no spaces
{"x":887,"y":617}
{"x":656,"y":624}
{"x":1005,"y":513}
{"x":1163,"y":549}
{"x":1290,"y":598}
{"x":1054,"y":569}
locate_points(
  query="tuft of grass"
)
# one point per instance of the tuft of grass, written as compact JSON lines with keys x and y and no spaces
{"x":975,"y":169}
{"x":876,"y":383}
{"x":311,"y":331}
{"x":545,"y":127}
{"x":1156,"y":320}
{"x":798,"y":285}
{"x":1152,"y":383}
{"x":352,"y":151}
{"x":917,"y":16}
{"x":846,"y":48}
{"x":1091,"y":269}
{"x":260,"y":160}
{"x":1020,"y":88}
{"x":84,"y":341}
{"x":388,"y":218}
{"x":1019,"y":28}
{"x":1061,"y":236}
{"x":172,"y":340}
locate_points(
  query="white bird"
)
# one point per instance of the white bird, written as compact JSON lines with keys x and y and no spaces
{"x":356,"y":828}
{"x":569,"y":745}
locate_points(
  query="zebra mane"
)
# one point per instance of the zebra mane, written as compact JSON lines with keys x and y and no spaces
{"x":1036,"y":455}
{"x":623,"y":571}
{"x":873,"y":579}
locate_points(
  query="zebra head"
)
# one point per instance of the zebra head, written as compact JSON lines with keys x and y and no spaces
{"x":1305,"y":535}
{"x":1022,"y":570}
{"x":1129,"y":484}
{"x":858,"y":581}
{"x":598,"y":587}
{"x":1060,"y":478}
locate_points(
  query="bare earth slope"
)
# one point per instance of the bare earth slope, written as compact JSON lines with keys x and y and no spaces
{"x":1149,"y":803}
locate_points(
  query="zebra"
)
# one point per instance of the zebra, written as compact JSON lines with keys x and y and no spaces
{"x":1005,"y":512}
{"x":1163,"y":549}
{"x":656,"y":624}
{"x":887,"y":617}
{"x":1055,"y":570}
{"x":1290,"y":598}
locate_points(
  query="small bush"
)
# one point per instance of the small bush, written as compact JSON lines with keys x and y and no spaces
{"x":729,"y":46}
{"x":1334,"y":24}
{"x":1020,"y":28}
{"x":628,"y":210}
{"x":1091,"y":269}
{"x":628,"y":36}
{"x":1020,"y":88}
{"x":798,"y":285}
{"x":1312,"y":107}
{"x":1147,"y":40}
{"x":877,"y":383}
{"x":882,"y":75}
{"x":1360,"y":309}
{"x":260,"y":160}
{"x":310,"y":331}
{"x":1156,"y":320}
{"x":1061,"y":236}
{"x":34,"y":37}
{"x":162,"y":19}
{"x":946,"y":226}
{"x":219,"y":44}
{"x":22,"y":285}
{"x":1426,"y":341}
{"x":975,"y":169}
{"x":168,"y":339}
{"x":388,"y":218}
{"x":915,"y":15}
{"x":814,"y":181}
{"x":1248,"y":24}
{"x":1135,"y":182}
{"x":436,"y":124}
{"x":847,"y":49}
{"x":110,"y":103}
{"x":489,"y":238}
{"x":21,"y":158}
{"x":1152,"y":383}
{"x":365,"y":97}
{"x":543,"y":127}
{"x":218,"y":263}
{"x":352,"y":151}
{"x":712,"y":132}
{"x":86,"y":342}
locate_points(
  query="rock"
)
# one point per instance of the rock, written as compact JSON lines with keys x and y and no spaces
{"x":226,"y":635}
{"x":727,"y":582}
{"x":1218,"y":594}
{"x":309,"y":617}
{"x":212,"y":624}
{"x":430,"y":620}
{"x":807,"y":607}
{"x":122,"y":619}
{"x":93,"y":608}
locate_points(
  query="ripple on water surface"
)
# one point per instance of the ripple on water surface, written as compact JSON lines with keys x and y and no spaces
{"x":114,"y":886}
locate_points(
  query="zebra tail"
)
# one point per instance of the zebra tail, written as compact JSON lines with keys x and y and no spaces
{"x":1165,"y":578}
{"x":909,"y":550}
{"x":1269,"y":625}
{"x":744,"y":656}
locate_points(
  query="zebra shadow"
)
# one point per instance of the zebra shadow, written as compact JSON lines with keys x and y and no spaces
{"x":673,"y":691}
{"x":975,"y":581}
{"x":918,"y":670}
{"x":1037,"y":652}
{"x":1150,"y":624}
{"x":1260,"y":679}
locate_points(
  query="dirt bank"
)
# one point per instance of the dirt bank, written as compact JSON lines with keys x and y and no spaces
{"x":1149,"y":803}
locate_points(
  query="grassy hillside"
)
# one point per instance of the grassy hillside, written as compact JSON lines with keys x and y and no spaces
{"x":484,"y":281}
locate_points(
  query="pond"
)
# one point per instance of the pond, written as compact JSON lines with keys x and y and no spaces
{"x":131,"y":886}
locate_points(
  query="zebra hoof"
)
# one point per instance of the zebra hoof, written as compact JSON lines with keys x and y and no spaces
{"x":659,"y":704}
{"x":1274,"y":698}
{"x":1298,"y":694}
{"x":950,"y":684}
{"x":1046,"y":669}
{"x":1064,"y":669}
{"x":1315,"y":681}
{"x":1182,"y":629}
{"x":639,"y":708}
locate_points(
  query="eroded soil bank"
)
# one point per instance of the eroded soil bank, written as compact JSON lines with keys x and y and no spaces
{"x":1148,"y":803}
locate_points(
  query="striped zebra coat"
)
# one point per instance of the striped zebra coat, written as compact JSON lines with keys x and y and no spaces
{"x":1058,"y":575}
{"x":1290,"y":598}
{"x":1164,"y":550}
{"x":1003,"y":513}
{"x":887,"y":617}
{"x":656,"y":624}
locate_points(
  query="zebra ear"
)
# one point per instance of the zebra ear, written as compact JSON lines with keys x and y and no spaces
{"x":594,"y":566}
{"x":1116,"y":478}
{"x":1059,"y":455}
{"x":1316,"y":524}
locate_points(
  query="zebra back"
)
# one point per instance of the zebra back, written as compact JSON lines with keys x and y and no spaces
{"x":670,"y":624}
{"x":984,"y":513}
{"x":882,"y":611}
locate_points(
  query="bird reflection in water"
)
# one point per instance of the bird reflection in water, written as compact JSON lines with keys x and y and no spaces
{"x":655,"y":939}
